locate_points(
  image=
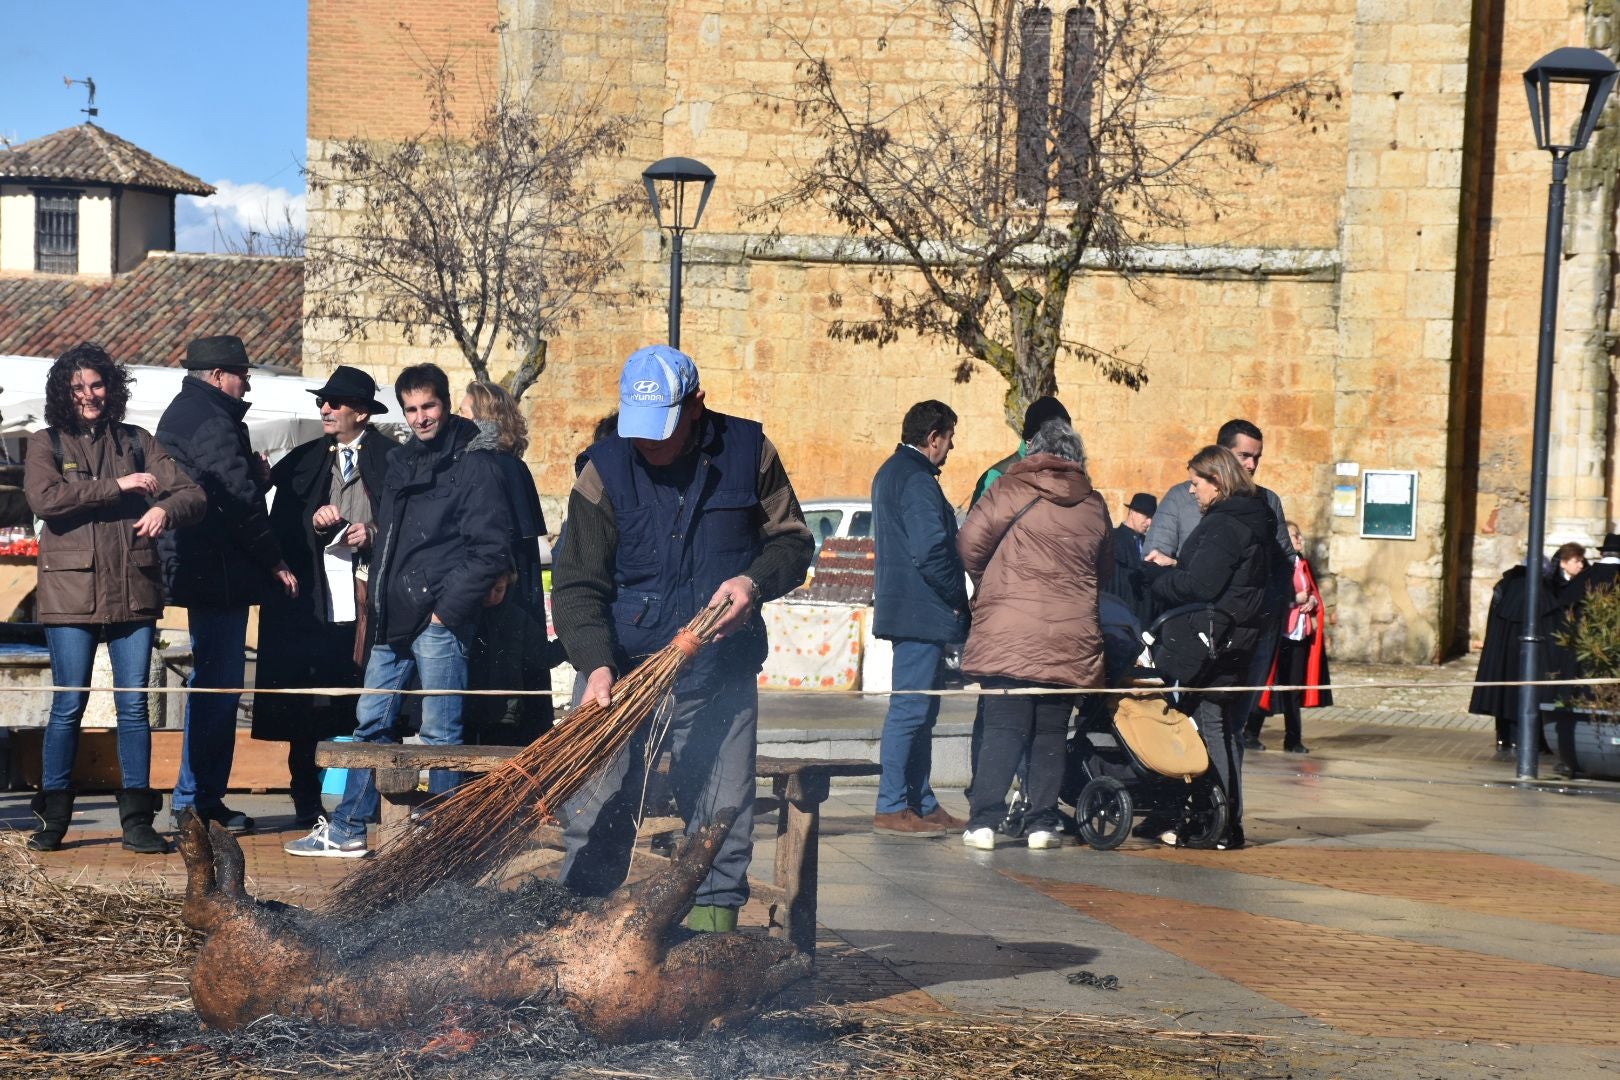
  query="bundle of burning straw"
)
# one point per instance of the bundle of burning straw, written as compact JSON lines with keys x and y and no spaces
{"x":482,"y":825}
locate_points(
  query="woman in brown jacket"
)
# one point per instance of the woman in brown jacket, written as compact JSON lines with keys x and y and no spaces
{"x":1037,"y":548}
{"x":106,"y":491}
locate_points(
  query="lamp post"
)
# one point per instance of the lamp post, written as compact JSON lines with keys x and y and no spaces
{"x":674,"y":175}
{"x":1596,"y":73}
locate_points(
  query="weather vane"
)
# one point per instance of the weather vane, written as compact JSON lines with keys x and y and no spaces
{"x":89,"y":84}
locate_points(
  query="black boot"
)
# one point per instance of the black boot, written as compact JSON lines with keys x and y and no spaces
{"x":136,"y":809}
{"x":54,"y":810}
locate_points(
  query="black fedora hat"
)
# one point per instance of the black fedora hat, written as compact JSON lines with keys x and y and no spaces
{"x":1143,"y":503}
{"x":351,"y":384}
{"x":1611,"y":544}
{"x":221,"y":351}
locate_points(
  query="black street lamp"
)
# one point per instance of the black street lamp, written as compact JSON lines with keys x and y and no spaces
{"x":677,"y":173}
{"x":1571,"y":68}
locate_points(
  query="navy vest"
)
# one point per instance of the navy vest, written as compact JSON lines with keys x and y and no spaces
{"x":677,"y":543}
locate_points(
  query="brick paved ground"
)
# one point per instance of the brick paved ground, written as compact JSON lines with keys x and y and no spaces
{"x":1364,"y":983}
{"x":1485,"y":884}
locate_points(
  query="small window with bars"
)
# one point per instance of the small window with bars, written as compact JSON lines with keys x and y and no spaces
{"x":56,"y":241}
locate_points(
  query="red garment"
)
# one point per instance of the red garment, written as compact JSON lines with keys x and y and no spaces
{"x":1304,"y":582}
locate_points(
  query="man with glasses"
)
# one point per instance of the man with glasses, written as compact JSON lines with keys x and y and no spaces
{"x":219,"y":567}
{"x":323,"y":515}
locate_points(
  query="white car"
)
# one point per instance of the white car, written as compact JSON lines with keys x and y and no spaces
{"x":838,"y":518}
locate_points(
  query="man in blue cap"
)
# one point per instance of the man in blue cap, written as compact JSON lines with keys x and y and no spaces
{"x":682,"y":508}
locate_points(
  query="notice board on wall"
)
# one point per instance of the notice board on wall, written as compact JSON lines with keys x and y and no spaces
{"x":1389,"y":504}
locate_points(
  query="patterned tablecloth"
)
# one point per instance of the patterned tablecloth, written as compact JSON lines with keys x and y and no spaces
{"x":813,"y":646}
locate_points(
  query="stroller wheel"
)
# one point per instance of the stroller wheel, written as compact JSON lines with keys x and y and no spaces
{"x":1104,"y":812}
{"x":1206,"y":816}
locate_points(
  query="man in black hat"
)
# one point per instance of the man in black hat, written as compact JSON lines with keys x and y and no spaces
{"x":1129,"y":581}
{"x":221,"y":566}
{"x":324,"y":514}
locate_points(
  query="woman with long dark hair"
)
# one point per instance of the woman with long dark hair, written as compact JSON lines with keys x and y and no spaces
{"x":106,"y":491}
{"x":1225,"y":562}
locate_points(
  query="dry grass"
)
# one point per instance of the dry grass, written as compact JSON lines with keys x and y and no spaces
{"x":68,"y":947}
{"x":1044,"y":1047}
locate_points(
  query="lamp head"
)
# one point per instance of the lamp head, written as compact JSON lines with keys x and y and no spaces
{"x":1575,"y":68}
{"x":674,"y":175}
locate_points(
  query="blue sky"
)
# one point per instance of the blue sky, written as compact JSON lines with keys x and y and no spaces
{"x":217,"y":89}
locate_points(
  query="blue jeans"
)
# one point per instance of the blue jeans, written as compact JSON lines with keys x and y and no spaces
{"x":439,"y":656}
{"x":907,"y":750}
{"x":218,"y":644}
{"x":73,"y":651}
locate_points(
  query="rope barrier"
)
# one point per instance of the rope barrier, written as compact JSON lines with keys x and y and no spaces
{"x":1033,"y":691}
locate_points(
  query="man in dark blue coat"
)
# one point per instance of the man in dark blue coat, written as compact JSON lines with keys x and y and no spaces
{"x":219,"y":567}
{"x":922,"y":606}
{"x":682,"y":508}
{"x":440,"y":546}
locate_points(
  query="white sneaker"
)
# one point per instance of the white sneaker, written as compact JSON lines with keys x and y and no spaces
{"x":1042,"y":839}
{"x":984,"y":838}
{"x":319,"y":842}
{"x":1168,"y":839}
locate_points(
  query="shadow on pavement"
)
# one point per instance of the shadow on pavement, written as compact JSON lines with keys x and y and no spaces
{"x":925,"y":958}
{"x":1333,"y":827}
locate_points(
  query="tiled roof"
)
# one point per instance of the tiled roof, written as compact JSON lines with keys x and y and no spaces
{"x":89,"y":154}
{"x":149,"y":314}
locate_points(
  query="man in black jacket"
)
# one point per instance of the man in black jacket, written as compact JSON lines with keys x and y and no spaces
{"x":439,"y":549}
{"x":219,"y":567}
{"x":1130,"y":581}
{"x":327,"y":495}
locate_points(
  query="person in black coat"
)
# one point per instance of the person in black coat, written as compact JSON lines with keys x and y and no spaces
{"x":511,"y":650}
{"x":314,"y":638}
{"x":1130,"y":580}
{"x":219,"y":567}
{"x":1225,"y":562}
{"x":440,"y":550}
{"x":1499,"y":656}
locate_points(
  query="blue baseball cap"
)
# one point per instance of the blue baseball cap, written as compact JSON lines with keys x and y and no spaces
{"x":654,"y":382}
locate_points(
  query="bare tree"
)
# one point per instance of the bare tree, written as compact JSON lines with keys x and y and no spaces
{"x":477,"y":232}
{"x":285,"y":237}
{"x":979,"y":202}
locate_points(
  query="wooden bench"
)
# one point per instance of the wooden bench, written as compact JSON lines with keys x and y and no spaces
{"x":798,"y":788}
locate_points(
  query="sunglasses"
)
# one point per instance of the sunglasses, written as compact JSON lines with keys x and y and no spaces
{"x":338,"y":403}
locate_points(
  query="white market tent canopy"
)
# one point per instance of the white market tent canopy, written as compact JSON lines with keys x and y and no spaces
{"x":283,"y":414}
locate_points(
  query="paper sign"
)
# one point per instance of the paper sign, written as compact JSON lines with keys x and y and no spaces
{"x":1344,"y":500}
{"x":1389,"y":504}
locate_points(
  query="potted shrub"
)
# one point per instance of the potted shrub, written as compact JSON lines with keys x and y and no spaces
{"x":1588,"y":717}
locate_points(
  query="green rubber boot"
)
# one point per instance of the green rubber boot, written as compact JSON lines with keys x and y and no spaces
{"x":709,"y":919}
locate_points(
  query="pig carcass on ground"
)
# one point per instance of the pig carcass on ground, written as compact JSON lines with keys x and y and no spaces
{"x":622,"y":964}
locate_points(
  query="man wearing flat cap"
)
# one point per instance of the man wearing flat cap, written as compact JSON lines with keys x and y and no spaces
{"x":219,"y":567}
{"x":324,"y":514}
{"x":1129,"y":581}
{"x":682,"y":508}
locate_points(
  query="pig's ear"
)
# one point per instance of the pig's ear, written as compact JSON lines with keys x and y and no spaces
{"x":205,"y":907}
{"x":229,"y":867}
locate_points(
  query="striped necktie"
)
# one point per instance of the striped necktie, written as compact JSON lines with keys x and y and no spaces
{"x":348,"y":463}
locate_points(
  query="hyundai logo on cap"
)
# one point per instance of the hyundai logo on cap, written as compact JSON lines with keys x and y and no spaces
{"x":654,"y":382}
